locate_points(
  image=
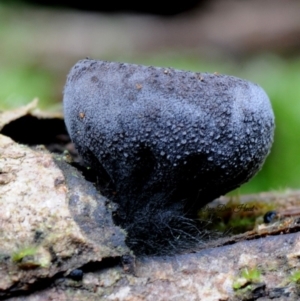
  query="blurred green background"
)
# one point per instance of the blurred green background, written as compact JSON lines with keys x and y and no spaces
{"x":38,"y":46}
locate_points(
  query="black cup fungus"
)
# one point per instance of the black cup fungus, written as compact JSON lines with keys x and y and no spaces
{"x":170,"y":141}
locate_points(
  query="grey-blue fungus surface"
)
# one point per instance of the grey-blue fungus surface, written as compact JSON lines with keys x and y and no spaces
{"x":169,"y":141}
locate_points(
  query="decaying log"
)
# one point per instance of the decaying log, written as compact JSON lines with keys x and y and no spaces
{"x":39,"y":235}
{"x":53,"y":221}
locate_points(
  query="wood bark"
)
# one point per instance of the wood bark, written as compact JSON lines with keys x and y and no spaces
{"x":53,"y":221}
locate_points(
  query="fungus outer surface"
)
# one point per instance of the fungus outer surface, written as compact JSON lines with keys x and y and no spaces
{"x":169,"y":141}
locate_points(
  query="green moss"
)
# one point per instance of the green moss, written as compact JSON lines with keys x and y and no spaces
{"x":237,"y":284}
{"x":252,"y":275}
{"x":295,"y":277}
{"x":20,"y":254}
{"x":235,"y":217}
{"x":31,"y":257}
{"x":246,"y":278}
